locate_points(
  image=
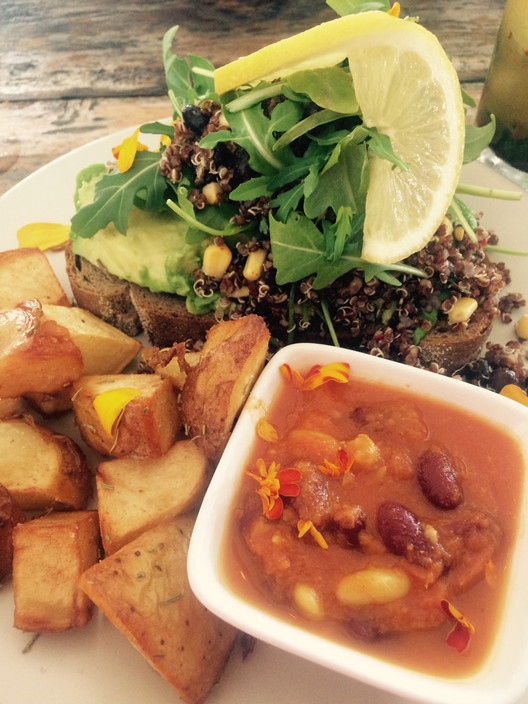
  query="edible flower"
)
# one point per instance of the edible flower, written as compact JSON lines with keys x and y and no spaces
{"x":317,"y":376}
{"x":266,"y":431}
{"x":463,"y":629}
{"x":342,"y":464}
{"x":125,"y":153}
{"x":110,"y":404}
{"x":44,"y":235}
{"x":515,"y":393}
{"x":395,"y":10}
{"x":307,"y":526}
{"x":274,"y":483}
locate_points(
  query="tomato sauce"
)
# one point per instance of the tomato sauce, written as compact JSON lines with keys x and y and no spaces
{"x":400,"y":506}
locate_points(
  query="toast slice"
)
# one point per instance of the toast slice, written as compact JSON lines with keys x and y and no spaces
{"x":166,"y":320}
{"x":133,"y":309}
{"x":451,"y":349}
{"x":101,"y":293}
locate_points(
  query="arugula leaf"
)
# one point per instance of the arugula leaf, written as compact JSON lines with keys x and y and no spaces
{"x":157,"y":128}
{"x":255,"y":132}
{"x":299,"y":250}
{"x":116,"y":194}
{"x":254,"y":188}
{"x":263,"y":91}
{"x":298,"y":247}
{"x":381,"y":145}
{"x":185,"y":209}
{"x":321,"y":117}
{"x":188,"y":79}
{"x":330,"y":88}
{"x":477,"y":139}
{"x":342,"y":185}
{"x":351,"y":7}
{"x":288,"y":201}
{"x":340,"y":233}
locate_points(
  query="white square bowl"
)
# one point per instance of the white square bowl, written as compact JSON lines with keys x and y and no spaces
{"x":503,"y":676}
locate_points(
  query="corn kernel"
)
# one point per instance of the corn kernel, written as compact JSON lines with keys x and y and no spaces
{"x":254,"y":262}
{"x":521,"y":327}
{"x":459,"y":233}
{"x":307,"y":599}
{"x":373,"y":585}
{"x":212,"y":192}
{"x":462,"y":310}
{"x":447,"y":222}
{"x":216,"y":259}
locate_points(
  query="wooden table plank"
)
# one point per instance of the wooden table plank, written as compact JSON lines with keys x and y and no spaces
{"x":70,"y":73}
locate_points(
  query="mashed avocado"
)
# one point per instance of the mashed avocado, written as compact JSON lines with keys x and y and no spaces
{"x":154,"y":252}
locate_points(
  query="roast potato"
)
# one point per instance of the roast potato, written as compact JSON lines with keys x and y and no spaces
{"x":36,"y":355}
{"x":15,"y":284}
{"x":217,"y":387}
{"x":40,"y":468}
{"x":144,"y":591}
{"x":148,"y":424}
{"x":133,"y":495}
{"x":50,"y":554}
{"x":10,"y":515}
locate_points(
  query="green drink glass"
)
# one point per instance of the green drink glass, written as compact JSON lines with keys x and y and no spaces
{"x":505,"y":93}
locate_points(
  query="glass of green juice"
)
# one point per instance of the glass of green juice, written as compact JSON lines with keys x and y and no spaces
{"x":505,"y":92}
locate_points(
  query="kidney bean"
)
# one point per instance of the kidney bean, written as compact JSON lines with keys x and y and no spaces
{"x":438,"y":480}
{"x":402,"y":533}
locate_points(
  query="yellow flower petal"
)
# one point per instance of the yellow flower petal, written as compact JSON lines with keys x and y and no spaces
{"x":125,"y":153}
{"x":395,"y":10}
{"x":109,"y":405}
{"x":515,"y":393}
{"x":266,"y":431}
{"x":43,"y":235}
{"x":307,"y":526}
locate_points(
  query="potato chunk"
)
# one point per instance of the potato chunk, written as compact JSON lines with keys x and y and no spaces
{"x":10,"y":515}
{"x":104,"y":349}
{"x":42,"y":469}
{"x":17,"y":286}
{"x":147,"y":425}
{"x":144,"y":591}
{"x":9,"y":407}
{"x":134,"y":495}
{"x":217,"y":387}
{"x":36,"y":355}
{"x":50,"y":554}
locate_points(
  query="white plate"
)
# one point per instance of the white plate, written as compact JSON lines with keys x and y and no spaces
{"x":97,"y":664}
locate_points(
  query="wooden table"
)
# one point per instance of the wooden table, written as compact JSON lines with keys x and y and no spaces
{"x":74,"y":71}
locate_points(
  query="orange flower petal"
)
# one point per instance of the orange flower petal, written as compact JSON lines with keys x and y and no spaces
{"x":318,"y":375}
{"x":288,"y":481}
{"x":395,"y":10}
{"x":342,"y":464}
{"x":275,"y":510}
{"x":460,"y":635}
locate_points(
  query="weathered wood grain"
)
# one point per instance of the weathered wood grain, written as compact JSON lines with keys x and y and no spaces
{"x":72,"y":72}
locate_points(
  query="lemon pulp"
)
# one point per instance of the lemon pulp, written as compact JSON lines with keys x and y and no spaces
{"x":408,"y":89}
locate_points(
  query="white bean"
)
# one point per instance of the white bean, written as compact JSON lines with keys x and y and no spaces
{"x":373,"y":585}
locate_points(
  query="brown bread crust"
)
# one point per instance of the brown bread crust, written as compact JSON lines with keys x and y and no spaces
{"x":102,"y":293}
{"x":165,"y":319}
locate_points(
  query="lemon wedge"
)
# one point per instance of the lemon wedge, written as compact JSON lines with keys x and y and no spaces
{"x":408,"y":89}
